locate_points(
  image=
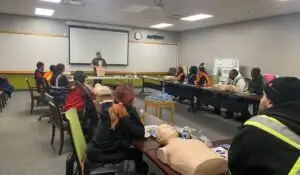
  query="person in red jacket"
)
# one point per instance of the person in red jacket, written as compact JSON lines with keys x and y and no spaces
{"x":75,"y":95}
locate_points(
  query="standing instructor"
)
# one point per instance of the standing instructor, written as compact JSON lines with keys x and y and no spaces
{"x":98,"y":61}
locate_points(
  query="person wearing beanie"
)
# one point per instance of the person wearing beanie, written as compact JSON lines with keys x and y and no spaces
{"x":120,"y":124}
{"x":269,"y":144}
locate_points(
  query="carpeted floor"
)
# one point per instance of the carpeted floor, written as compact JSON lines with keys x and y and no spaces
{"x":25,"y":142}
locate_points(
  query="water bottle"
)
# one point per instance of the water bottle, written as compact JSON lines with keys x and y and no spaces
{"x":142,"y":115}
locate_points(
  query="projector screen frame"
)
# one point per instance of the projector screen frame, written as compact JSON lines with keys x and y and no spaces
{"x":102,"y":29}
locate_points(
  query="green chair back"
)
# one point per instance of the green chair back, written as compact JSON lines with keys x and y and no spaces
{"x":76,"y":134}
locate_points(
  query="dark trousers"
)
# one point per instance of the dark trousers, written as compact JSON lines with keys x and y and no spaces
{"x":137,"y":156}
{"x":131,"y":154}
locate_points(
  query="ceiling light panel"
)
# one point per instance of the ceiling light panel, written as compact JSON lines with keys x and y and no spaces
{"x":44,"y":12}
{"x":161,"y":25}
{"x":53,"y":1}
{"x":197,"y":17}
{"x":135,"y":8}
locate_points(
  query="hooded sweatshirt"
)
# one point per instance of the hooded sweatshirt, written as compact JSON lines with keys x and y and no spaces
{"x":239,"y":82}
{"x":256,"y":152}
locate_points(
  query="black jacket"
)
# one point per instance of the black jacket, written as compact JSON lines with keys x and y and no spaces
{"x":191,"y":78}
{"x":256,"y":152}
{"x":111,"y":145}
{"x":256,"y":85}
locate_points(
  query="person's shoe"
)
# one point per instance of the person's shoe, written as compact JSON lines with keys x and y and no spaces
{"x":229,"y":115}
{"x":217,"y":111}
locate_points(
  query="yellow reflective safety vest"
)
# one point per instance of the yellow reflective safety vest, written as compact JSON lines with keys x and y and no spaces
{"x":280,"y":131}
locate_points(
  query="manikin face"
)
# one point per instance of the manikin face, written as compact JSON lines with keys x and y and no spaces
{"x":264,"y":104}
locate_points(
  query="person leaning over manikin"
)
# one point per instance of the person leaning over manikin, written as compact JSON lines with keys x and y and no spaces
{"x":269,"y":144}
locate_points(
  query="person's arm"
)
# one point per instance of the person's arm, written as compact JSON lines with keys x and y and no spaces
{"x":208,"y":82}
{"x":94,"y":62}
{"x":132,"y":129}
{"x":104,"y":64}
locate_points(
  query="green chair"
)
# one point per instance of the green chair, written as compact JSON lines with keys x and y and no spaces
{"x":79,"y":150}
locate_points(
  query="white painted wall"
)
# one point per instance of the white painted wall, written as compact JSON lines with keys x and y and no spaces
{"x":51,"y":55}
{"x":273,"y":44}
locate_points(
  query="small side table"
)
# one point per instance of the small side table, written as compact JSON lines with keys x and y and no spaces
{"x":157,"y":107}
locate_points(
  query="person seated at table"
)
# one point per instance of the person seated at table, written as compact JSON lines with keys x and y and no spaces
{"x":202,"y":79}
{"x":38,"y":75}
{"x":180,"y":75}
{"x":237,"y":80}
{"x":48,"y":75}
{"x":120,"y":125}
{"x":257,"y":82}
{"x":75,"y":95}
{"x":59,"y":84}
{"x":239,"y":84}
{"x":5,"y":86}
{"x":59,"y":80}
{"x":203,"y":66}
{"x":192,"y":75}
{"x":268,"y":144}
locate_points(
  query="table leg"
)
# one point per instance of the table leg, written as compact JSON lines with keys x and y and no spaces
{"x":143,"y":86}
{"x":146,"y":107}
{"x":172,"y":113}
{"x":156,"y":111}
{"x":160,"y":112}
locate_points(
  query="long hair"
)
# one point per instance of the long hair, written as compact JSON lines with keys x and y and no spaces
{"x":123,"y":97}
{"x":180,"y":70}
{"x":59,"y":69}
{"x":116,"y":112}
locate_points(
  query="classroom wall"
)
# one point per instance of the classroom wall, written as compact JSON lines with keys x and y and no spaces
{"x":44,"y":26}
{"x":271,"y":44}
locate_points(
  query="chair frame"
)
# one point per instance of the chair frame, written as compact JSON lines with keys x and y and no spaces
{"x":33,"y":98}
{"x":74,"y":158}
{"x":45,"y":89}
{"x":57,"y":116}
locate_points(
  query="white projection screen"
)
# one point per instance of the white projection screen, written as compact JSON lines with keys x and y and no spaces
{"x":84,"y":42}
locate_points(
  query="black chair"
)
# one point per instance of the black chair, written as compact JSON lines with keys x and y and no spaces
{"x":57,"y":119}
{"x":89,"y":117}
{"x":34,"y":94}
{"x":44,"y":90}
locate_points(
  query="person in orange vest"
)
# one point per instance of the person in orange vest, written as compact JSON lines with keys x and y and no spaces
{"x":48,"y":75}
{"x":202,"y":79}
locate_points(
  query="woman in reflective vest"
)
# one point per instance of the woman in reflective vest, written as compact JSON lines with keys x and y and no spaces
{"x":269,"y":144}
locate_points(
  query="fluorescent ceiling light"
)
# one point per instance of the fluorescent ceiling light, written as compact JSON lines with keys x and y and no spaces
{"x":161,"y":25}
{"x":196,"y":17}
{"x":53,"y":1}
{"x":44,"y":12}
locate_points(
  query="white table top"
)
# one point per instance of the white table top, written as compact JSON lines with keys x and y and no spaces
{"x":153,"y":78}
{"x":112,"y":78}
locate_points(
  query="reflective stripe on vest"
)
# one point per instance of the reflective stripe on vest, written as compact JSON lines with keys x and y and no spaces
{"x":279,"y":130}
